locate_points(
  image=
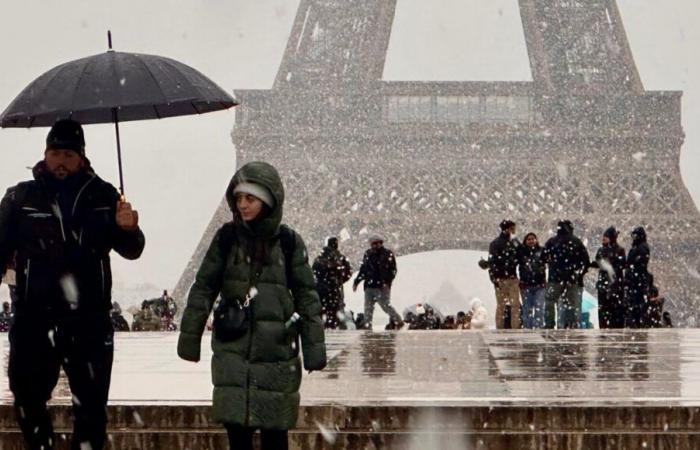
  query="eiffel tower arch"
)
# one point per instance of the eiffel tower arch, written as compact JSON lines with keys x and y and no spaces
{"x":437,"y":165}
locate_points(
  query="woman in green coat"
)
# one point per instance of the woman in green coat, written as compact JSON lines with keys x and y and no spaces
{"x":256,"y":376}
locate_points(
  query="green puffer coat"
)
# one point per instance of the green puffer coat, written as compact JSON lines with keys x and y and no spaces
{"x":256,"y":378}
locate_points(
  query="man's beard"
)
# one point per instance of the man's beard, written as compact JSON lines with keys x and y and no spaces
{"x":60,"y":172}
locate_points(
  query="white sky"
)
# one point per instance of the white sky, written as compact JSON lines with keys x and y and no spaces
{"x":176,"y":169}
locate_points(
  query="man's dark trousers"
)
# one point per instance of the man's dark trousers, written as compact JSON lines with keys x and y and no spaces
{"x":84,"y":346}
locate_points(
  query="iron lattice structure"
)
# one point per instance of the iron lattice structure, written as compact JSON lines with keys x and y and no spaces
{"x":437,"y":165}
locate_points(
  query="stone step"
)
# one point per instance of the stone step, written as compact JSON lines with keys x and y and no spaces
{"x":364,"y":427}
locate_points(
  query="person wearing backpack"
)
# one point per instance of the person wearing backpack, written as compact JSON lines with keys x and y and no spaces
{"x":268,"y":301}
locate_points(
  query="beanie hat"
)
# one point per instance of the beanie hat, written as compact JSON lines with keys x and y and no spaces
{"x":256,"y":190}
{"x":332,"y":242}
{"x":66,"y":134}
{"x":611,"y":233}
{"x":566,"y":226}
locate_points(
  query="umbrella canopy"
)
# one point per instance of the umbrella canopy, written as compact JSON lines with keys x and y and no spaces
{"x":115,"y":86}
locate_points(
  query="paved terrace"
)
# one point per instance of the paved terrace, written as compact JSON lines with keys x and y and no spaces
{"x":491,"y":389}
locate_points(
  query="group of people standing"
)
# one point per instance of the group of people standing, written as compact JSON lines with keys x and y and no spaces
{"x":378,"y":270}
{"x":550,"y":280}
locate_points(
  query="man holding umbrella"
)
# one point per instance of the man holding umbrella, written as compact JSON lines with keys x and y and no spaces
{"x":60,"y":228}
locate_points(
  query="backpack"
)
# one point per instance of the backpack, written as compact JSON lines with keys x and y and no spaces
{"x":286,"y":236}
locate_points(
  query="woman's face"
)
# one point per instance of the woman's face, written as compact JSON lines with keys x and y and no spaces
{"x":248,"y":206}
{"x":531,"y":241}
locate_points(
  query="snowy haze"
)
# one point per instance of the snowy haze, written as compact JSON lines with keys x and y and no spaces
{"x":176,"y":169}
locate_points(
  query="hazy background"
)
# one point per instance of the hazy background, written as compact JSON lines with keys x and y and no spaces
{"x":176,"y":169}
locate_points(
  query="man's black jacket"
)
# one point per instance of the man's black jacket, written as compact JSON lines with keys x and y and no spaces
{"x":61,"y":249}
{"x":567,"y":258}
{"x":503,"y":258}
{"x":378,"y":268}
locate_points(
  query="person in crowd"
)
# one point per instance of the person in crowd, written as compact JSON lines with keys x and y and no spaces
{"x":463,"y":321}
{"x":666,"y":321}
{"x":378,"y":271}
{"x":425,"y":318}
{"x":331,"y":270}
{"x":119,"y":323}
{"x":655,"y":310}
{"x":360,"y":321}
{"x":638,"y":280}
{"x":5,"y":318}
{"x":10,"y":279}
{"x":449,"y":323}
{"x":409,"y":319}
{"x":502,"y":267}
{"x":266,"y":306}
{"x":166,"y":309}
{"x":533,"y":281}
{"x":610,"y":262}
{"x":567,"y":260}
{"x":477,"y":315}
{"x":146,"y":319}
{"x":59,"y":230}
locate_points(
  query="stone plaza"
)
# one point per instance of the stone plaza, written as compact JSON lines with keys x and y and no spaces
{"x":577,"y":389}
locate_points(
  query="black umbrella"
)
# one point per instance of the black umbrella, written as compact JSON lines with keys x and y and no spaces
{"x":115,"y":87}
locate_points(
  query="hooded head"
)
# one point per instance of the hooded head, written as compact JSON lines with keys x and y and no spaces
{"x":611,"y":233}
{"x":255,"y":176}
{"x":475,"y":304}
{"x":332,"y":243}
{"x":565,"y":227}
{"x":639,"y":235}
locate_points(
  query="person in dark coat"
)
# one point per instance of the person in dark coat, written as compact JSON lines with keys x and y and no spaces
{"x":655,"y":309}
{"x":610,"y":260}
{"x":378,"y":271}
{"x":331,"y":270}
{"x":533,"y":281}
{"x":60,"y":228}
{"x":257,"y":374}
{"x":638,"y":280}
{"x":119,"y":323}
{"x":502,"y":266}
{"x":6,"y":317}
{"x":567,"y":260}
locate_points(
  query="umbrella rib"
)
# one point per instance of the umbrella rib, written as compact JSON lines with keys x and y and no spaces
{"x":195,"y":107}
{"x":155,"y":80}
{"x":75,"y":89}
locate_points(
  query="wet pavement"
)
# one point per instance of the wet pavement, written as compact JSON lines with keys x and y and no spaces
{"x":440,"y":368}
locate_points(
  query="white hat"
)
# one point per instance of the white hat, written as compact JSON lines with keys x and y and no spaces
{"x":256,"y":190}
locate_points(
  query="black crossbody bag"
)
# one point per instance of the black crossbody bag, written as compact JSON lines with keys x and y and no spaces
{"x":232,"y":317}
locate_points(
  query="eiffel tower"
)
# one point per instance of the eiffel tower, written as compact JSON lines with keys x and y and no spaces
{"x":437,"y":165}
